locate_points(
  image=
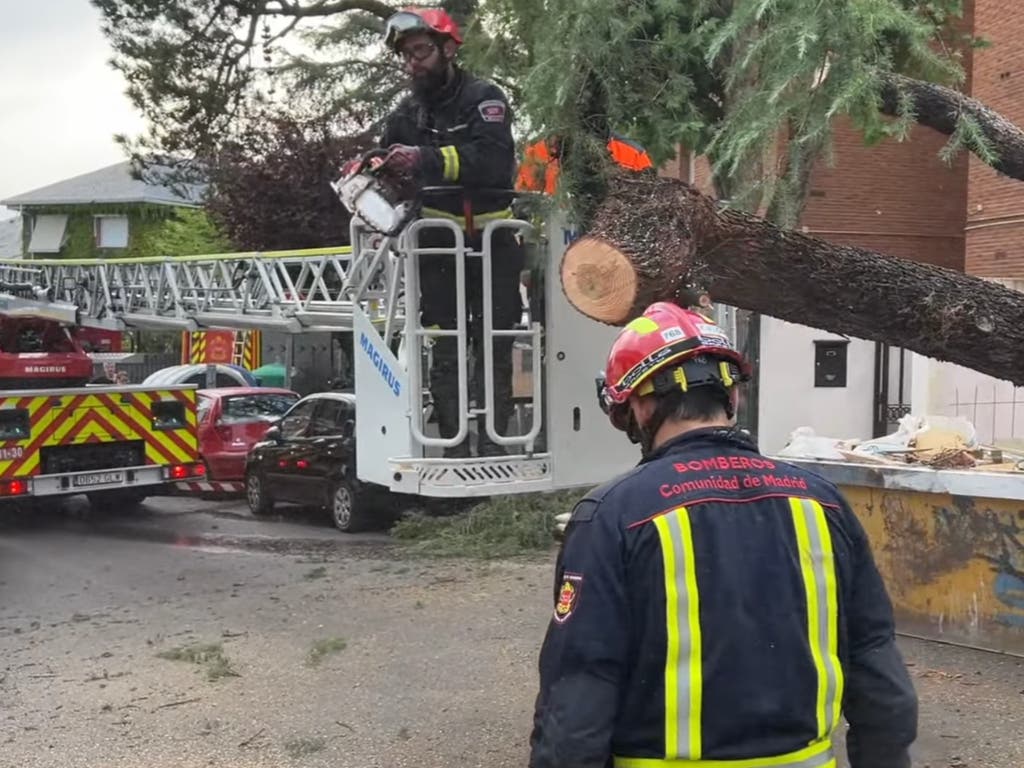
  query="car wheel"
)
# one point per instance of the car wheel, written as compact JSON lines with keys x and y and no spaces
{"x":260,"y":502}
{"x":344,"y":507}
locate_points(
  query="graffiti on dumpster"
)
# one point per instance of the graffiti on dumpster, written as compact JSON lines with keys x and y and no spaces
{"x":926,"y":544}
{"x":921,"y":548}
{"x":997,"y":537}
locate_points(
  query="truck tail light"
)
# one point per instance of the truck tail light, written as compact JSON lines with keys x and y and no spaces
{"x":183,"y":471}
{"x":13,"y":487}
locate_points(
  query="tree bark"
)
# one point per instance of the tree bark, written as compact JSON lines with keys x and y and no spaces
{"x":660,"y":239}
{"x":940,"y":109}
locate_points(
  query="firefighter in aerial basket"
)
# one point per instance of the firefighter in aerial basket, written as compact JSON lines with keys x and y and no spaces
{"x":712,"y":604}
{"x":453,"y":131}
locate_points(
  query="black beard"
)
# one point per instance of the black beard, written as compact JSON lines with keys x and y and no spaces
{"x":429,"y":83}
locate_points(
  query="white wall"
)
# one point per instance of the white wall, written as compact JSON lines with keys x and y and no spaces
{"x":788,"y":397}
{"x":994,"y":406}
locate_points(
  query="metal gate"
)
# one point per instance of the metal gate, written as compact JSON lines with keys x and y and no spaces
{"x":892,"y":388}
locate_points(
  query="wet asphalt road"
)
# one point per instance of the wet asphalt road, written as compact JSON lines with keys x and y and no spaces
{"x":436,"y":669}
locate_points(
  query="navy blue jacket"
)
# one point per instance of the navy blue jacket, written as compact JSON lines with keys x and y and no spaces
{"x":465,"y":133}
{"x":703,"y":560}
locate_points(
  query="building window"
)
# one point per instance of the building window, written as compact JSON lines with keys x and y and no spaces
{"x":111,"y":231}
{"x":48,"y":233}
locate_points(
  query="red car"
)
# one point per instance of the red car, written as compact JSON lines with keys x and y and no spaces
{"x":231,"y":421}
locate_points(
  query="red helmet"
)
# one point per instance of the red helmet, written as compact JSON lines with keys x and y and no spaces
{"x":409,"y":21}
{"x":664,"y":349}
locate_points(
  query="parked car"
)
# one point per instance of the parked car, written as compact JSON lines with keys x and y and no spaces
{"x":309,"y":458}
{"x":232,"y":420}
{"x":195,"y":373}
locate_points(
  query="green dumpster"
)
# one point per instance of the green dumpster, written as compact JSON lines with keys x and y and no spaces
{"x":271,"y":375}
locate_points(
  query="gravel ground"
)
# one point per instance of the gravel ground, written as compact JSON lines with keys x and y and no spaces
{"x":437,"y":667}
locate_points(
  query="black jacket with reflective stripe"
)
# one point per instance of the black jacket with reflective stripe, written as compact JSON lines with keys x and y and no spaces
{"x":711,"y":558}
{"x":473,"y":117}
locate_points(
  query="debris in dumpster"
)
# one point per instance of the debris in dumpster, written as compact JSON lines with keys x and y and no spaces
{"x":937,"y":442}
{"x":948,"y":458}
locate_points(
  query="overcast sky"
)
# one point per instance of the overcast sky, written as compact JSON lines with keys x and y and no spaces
{"x":60,"y":102}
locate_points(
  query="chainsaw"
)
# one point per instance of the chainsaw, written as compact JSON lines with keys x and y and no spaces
{"x":366,"y":193}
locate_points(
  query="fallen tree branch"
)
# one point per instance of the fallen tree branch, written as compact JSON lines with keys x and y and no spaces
{"x":941,"y":109}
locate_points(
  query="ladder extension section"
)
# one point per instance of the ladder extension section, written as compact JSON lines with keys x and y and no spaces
{"x":318,"y":290}
{"x":289,"y":291}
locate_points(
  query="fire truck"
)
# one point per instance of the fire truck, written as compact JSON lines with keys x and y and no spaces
{"x":61,"y":435}
{"x":368,"y":293}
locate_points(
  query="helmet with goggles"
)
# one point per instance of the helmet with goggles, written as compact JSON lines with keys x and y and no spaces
{"x":411,"y":21}
{"x":667,"y":349}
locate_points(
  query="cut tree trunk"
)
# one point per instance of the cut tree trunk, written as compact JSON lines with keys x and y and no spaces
{"x":656,"y":239}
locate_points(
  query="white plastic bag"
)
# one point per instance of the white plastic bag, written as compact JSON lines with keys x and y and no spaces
{"x":805,"y":444}
{"x":957,"y":424}
{"x":895,"y":442}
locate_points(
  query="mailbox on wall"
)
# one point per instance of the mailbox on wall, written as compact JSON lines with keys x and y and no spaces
{"x":830,"y":362}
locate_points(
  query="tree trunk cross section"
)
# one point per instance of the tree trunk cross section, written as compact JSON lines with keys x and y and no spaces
{"x":659,"y":239}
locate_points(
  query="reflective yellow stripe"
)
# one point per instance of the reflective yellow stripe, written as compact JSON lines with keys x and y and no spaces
{"x":451,"y":163}
{"x":683,"y":678}
{"x":432,"y":213}
{"x":817,"y":565}
{"x":818,"y":755}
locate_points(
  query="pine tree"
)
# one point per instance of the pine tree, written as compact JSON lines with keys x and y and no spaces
{"x":731,"y":79}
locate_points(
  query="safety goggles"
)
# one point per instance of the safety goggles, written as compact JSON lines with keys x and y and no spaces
{"x":418,"y":52}
{"x":401,"y":24}
{"x":617,"y":412}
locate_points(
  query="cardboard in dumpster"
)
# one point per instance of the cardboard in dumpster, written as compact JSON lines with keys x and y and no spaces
{"x":939,"y":442}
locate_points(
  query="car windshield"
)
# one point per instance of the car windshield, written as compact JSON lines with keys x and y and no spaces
{"x":240,"y":409}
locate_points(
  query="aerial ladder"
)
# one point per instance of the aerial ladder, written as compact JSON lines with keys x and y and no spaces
{"x":370,"y":290}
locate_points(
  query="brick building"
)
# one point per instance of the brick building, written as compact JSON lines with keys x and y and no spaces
{"x":901,"y":199}
{"x":994,"y":227}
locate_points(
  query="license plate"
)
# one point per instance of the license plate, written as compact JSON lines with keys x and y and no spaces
{"x":97,"y":478}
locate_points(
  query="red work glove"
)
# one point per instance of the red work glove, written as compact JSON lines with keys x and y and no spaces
{"x":402,"y":157}
{"x":349,"y":167}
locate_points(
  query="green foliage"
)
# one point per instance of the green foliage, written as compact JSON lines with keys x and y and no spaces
{"x":728,"y":79}
{"x":305,"y":746}
{"x":189,"y":231}
{"x":195,"y":68}
{"x":153,"y":230}
{"x":343,"y":73}
{"x":321,"y":649}
{"x":503,"y":526}
{"x":210,"y":657}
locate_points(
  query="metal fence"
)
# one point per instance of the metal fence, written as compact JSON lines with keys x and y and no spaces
{"x":138,"y":366}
